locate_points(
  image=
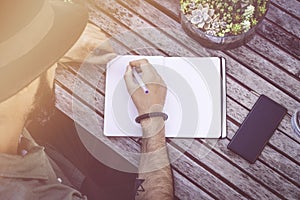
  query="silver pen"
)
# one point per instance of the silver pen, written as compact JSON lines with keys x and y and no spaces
{"x":139,"y":80}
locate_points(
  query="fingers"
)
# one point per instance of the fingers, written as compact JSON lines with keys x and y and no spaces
{"x":144,"y":67}
{"x":129,"y":80}
{"x":138,"y":63}
{"x":148,"y":74}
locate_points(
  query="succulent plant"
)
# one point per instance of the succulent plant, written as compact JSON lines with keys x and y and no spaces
{"x":254,"y":21}
{"x":249,"y":11}
{"x":262,"y":9}
{"x":236,"y":28}
{"x":246,"y":25}
{"x":202,"y":16}
{"x":224,"y":17}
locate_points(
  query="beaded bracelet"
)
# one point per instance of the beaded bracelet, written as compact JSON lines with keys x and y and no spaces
{"x":149,"y":115}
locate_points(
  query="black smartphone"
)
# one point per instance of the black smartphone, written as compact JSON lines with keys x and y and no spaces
{"x":257,"y":128}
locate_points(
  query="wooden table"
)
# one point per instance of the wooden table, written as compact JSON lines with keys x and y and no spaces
{"x":268,"y":64}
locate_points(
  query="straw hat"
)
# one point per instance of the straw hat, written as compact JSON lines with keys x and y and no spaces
{"x":34,"y":35}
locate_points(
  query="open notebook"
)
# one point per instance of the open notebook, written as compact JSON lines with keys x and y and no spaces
{"x":195,"y":101}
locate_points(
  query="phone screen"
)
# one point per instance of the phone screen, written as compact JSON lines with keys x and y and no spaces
{"x":257,"y":128}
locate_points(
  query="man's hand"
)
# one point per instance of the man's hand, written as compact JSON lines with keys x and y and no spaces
{"x":154,"y":100}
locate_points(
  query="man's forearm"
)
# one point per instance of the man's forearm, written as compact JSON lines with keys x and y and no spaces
{"x":154,"y":164}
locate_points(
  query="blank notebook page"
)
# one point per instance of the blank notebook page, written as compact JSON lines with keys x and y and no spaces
{"x":193,"y":102}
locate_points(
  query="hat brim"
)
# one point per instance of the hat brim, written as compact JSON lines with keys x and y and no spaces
{"x":69,"y":22}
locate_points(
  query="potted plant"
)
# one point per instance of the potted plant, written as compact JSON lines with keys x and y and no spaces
{"x":222,"y":24}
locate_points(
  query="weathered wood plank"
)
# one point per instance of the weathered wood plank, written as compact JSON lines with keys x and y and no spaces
{"x":291,"y":6}
{"x":170,"y":7}
{"x":93,"y":75}
{"x":202,"y":177}
{"x":284,"y":20}
{"x":81,"y":89}
{"x":290,"y":171}
{"x":167,"y":25}
{"x":269,"y":177}
{"x":259,"y":85}
{"x":116,"y":31}
{"x":156,"y":38}
{"x":185,"y":190}
{"x":278,"y":36}
{"x":150,"y":13}
{"x":225,"y":170}
{"x":267,"y":70}
{"x":275,"y":55}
